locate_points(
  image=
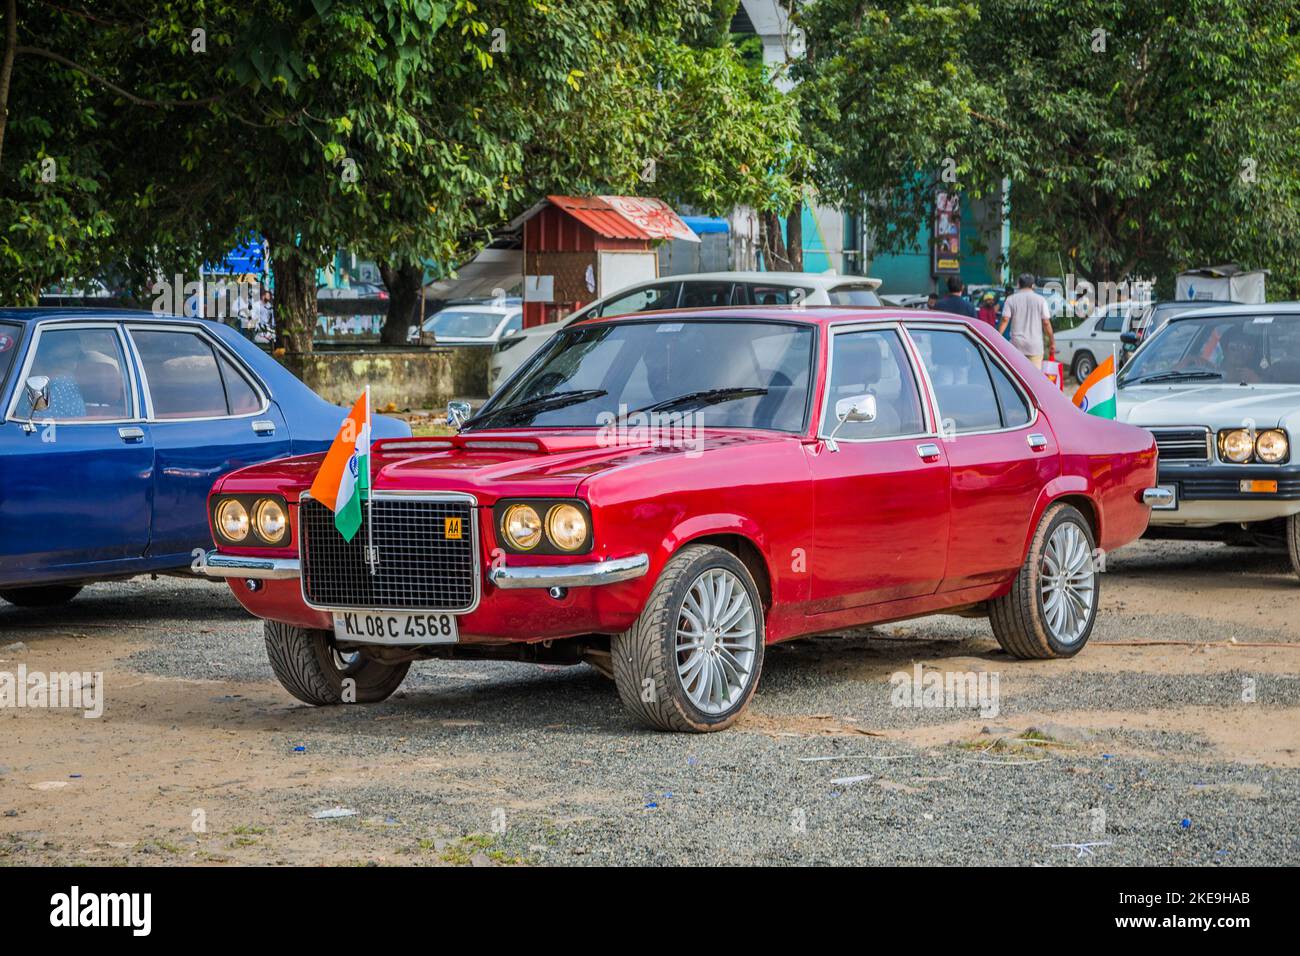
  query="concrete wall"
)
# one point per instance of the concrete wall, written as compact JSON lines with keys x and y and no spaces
{"x":408,"y":377}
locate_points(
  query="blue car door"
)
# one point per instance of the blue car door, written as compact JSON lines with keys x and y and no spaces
{"x":208,"y":415}
{"x":75,"y":478}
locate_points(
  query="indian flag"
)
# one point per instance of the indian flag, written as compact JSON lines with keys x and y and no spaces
{"x":1096,"y":395}
{"x":344,"y":476}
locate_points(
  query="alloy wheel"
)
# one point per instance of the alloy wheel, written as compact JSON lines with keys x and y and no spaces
{"x":716,"y":640}
{"x":1068,"y":587}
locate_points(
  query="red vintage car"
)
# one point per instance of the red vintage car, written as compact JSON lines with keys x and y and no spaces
{"x":662,"y":495}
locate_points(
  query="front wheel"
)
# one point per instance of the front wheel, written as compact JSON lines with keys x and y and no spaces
{"x":1293,"y":541}
{"x":691,"y":661}
{"x":51,"y":595}
{"x":311,"y":668}
{"x":1051,"y":607}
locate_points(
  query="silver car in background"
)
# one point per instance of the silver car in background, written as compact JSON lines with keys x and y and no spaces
{"x":700,"y":290}
{"x":1220,"y":390}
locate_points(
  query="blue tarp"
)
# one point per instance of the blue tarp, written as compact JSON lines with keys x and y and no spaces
{"x":702,"y":224}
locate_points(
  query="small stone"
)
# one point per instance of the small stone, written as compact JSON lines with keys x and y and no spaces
{"x":15,"y":648}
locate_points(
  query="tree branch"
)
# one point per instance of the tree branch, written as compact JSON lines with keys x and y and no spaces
{"x":130,"y":97}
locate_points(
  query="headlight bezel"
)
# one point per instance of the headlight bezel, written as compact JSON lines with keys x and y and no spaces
{"x":1252,"y":439}
{"x":252,"y":505}
{"x":260,"y":508}
{"x":544,"y":508}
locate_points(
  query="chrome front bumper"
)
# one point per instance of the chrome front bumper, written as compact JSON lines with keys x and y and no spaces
{"x":217,"y":565}
{"x":571,"y":575}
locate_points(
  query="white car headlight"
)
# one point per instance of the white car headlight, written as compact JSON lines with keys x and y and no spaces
{"x":1236,"y":445}
{"x":1272,"y":446}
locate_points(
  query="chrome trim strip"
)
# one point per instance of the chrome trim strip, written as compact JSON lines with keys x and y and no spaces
{"x":219,"y":348}
{"x":218,"y":565}
{"x":571,"y":575}
{"x":128,"y":359}
{"x":1157,"y":497}
{"x":875,"y":325}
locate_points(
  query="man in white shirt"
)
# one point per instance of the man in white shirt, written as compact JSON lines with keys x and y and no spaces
{"x":1030,"y":319}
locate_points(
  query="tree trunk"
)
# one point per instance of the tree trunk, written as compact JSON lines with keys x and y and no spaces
{"x":783,"y":253}
{"x":295,"y":297}
{"x":404,"y":284}
{"x":794,"y":238}
{"x":7,"y":66}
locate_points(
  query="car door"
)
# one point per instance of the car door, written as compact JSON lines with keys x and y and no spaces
{"x":880,"y":489}
{"x":208,"y":415}
{"x":75,"y":479}
{"x":999,"y":454}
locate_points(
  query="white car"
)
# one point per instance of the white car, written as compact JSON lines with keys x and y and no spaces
{"x":1220,"y":390}
{"x":699,"y":290}
{"x":473,"y":324}
{"x":1082,"y":348}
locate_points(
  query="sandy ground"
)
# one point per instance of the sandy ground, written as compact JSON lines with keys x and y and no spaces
{"x":1192,"y":750}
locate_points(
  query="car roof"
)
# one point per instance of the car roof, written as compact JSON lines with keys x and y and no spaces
{"x":37,"y":314}
{"x":771,"y":278}
{"x":817,"y":315}
{"x":1228,"y":309}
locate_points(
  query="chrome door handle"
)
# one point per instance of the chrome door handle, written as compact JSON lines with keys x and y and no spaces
{"x":928,"y":451}
{"x":131,"y":433}
{"x":1036,"y":441}
{"x":264,"y":426}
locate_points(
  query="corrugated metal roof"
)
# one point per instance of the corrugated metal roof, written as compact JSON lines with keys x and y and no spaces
{"x":626,"y":217}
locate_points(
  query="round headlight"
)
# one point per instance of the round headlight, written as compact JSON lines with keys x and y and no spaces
{"x":270,"y":521}
{"x":1237,"y":445}
{"x":522,"y":527}
{"x":566,"y":526}
{"x":232,"y":520}
{"x":1271,"y":446}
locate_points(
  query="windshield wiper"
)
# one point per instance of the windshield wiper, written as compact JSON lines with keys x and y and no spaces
{"x":1174,"y":376}
{"x":708,"y":396}
{"x":541,"y":403}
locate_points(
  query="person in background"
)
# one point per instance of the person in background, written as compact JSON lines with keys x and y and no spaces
{"x":954,"y":302}
{"x":260,"y":317}
{"x":1030,"y":320}
{"x":988,"y":310}
{"x":932,"y":300}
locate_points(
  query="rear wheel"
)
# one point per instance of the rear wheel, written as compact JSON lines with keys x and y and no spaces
{"x":1051,"y":607}
{"x":693,"y":658}
{"x":50,"y":595}
{"x":311,"y":668}
{"x":1084,"y":365}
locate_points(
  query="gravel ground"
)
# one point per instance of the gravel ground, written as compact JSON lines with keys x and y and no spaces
{"x":502,"y":763}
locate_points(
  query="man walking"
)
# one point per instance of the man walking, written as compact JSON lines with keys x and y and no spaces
{"x":1030,"y":319}
{"x":953,"y":301}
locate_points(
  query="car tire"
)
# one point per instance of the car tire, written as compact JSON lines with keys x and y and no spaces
{"x":1042,"y":616}
{"x":1293,"y":541}
{"x":1085,"y":363}
{"x":669,"y":681}
{"x":49,"y":595}
{"x":311,"y":668}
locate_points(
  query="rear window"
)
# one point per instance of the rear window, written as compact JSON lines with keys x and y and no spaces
{"x":853,"y":295}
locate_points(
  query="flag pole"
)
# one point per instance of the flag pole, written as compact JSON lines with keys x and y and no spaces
{"x":370,"y":524}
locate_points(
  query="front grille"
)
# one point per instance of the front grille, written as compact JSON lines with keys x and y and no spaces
{"x":418,"y":566}
{"x":1183,"y":444}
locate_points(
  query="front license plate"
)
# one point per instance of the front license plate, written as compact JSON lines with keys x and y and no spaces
{"x":394,"y":627}
{"x":1173,"y":502}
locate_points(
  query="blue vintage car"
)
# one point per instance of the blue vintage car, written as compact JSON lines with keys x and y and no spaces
{"x":116,"y":424}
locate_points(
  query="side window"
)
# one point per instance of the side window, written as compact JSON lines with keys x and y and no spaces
{"x":514,"y":325}
{"x":755,"y":293}
{"x":1015,"y":411}
{"x":86,"y":369}
{"x":703,"y":295}
{"x":241,"y":397}
{"x":643,"y":299}
{"x":182,"y":373}
{"x":960,"y":376}
{"x":1112,"y":320}
{"x":873,"y":363}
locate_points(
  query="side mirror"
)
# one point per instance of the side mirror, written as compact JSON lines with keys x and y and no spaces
{"x":859,"y":408}
{"x":457,"y":413}
{"x":38,"y":392}
{"x":1129,"y":338}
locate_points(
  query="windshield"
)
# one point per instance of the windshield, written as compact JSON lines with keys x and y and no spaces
{"x":8,"y":347}
{"x":725,"y":374}
{"x":458,"y":324}
{"x":853,"y":295}
{"x":1240,"y":349}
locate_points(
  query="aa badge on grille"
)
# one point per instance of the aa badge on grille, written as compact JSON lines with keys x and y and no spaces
{"x":451,"y":528}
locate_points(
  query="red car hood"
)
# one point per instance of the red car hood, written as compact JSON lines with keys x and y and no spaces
{"x":489,"y":465}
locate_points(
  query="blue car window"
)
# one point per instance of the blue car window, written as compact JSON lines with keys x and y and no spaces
{"x":86,"y":372}
{"x":8,"y":347}
{"x":182,"y":373}
{"x":241,"y":397}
